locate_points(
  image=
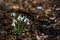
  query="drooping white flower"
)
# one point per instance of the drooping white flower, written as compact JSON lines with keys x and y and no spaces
{"x":13,"y":14}
{"x":20,"y":18}
{"x":14,"y":21}
{"x":13,"y":24}
{"x":28,"y":23}
{"x":23,"y":17}
{"x":26,"y":20}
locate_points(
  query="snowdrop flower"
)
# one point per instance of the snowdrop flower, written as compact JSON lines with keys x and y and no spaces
{"x":28,"y":23}
{"x":14,"y":21}
{"x":39,"y":7}
{"x":23,"y":17}
{"x":26,"y":20}
{"x":20,"y":18}
{"x":13,"y":24}
{"x":13,"y":14}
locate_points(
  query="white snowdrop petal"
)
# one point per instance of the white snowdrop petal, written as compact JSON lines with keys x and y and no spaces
{"x":19,"y":17}
{"x":23,"y":17}
{"x":13,"y":24}
{"x":26,"y":20}
{"x":13,"y":14}
{"x":28,"y":23}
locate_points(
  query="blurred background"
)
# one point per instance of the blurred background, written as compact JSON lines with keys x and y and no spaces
{"x":29,"y":19}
